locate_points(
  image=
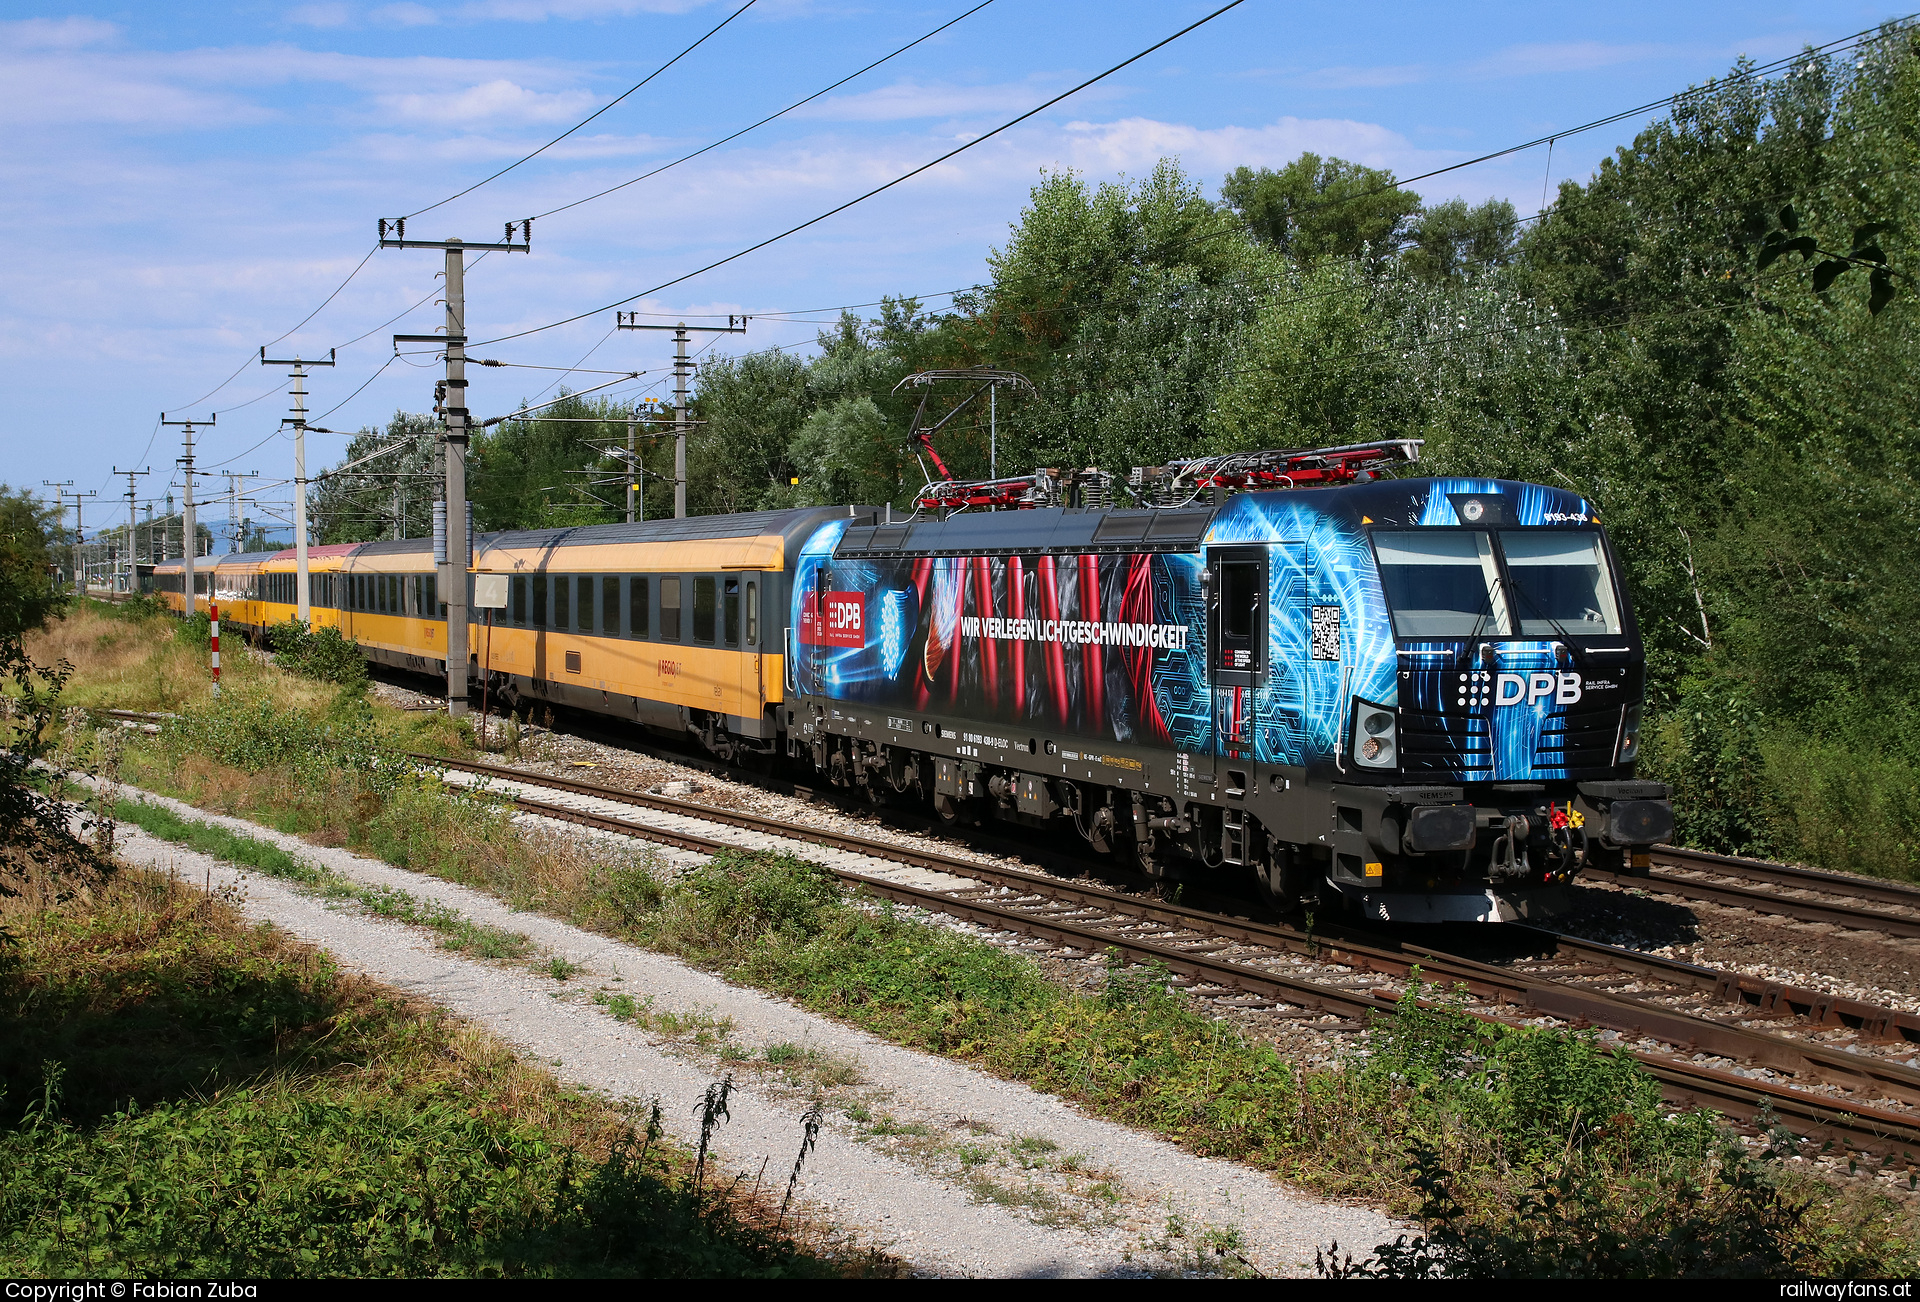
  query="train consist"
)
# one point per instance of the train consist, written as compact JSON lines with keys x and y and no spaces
{"x":1419,"y":697}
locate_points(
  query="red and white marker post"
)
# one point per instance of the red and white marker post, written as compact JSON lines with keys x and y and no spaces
{"x":213,"y":628}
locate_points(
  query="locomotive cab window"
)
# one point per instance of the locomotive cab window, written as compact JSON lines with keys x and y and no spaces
{"x":1239,"y":615}
{"x":1442,"y":583}
{"x":1561,"y":582}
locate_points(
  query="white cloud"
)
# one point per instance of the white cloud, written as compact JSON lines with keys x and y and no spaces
{"x":327,"y":14}
{"x":1347,"y":78}
{"x":405,"y":15}
{"x":1567,"y":56}
{"x":906,"y":100}
{"x":497,"y":99}
{"x":56,"y":33}
{"x":535,"y":11}
{"x":67,"y":90}
{"x":1135,"y":144}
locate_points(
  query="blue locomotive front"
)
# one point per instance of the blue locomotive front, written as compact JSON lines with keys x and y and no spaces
{"x":1417,"y":696}
{"x":1456,"y":664}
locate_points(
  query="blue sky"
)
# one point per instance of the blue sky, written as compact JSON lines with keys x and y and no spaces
{"x":185,"y":182}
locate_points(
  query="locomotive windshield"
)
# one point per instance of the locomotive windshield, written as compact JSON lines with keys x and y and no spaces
{"x":1560,"y":583}
{"x":1442,"y":584}
{"x":1448,"y":585}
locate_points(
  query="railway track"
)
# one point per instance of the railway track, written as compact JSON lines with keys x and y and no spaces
{"x":1787,"y":888}
{"x":1677,"y":871}
{"x":1262,"y":965}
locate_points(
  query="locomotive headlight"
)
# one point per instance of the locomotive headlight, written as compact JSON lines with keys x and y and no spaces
{"x":1374,"y":735}
{"x":1629,"y":748}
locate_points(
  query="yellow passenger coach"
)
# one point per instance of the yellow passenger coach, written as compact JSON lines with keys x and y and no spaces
{"x":674,"y":624}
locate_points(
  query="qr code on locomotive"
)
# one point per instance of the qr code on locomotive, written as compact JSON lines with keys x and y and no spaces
{"x":1326,"y":632}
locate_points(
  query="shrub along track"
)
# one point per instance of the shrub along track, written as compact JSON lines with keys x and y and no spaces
{"x":1282,"y":969}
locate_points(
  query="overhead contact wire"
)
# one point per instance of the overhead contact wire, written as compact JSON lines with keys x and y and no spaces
{"x":590,"y":117}
{"x":880,"y":189}
{"x":769,"y":118}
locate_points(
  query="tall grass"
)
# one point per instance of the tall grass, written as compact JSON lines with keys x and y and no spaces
{"x":189,"y":1095}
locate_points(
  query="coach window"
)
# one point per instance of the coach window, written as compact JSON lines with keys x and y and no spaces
{"x":519,"y":601}
{"x":610,"y":604}
{"x":539,"y":601}
{"x":731,"y":607}
{"x":753,"y":613}
{"x":670,"y":609}
{"x":703,"y":604}
{"x":433,"y":598}
{"x":637,"y":611}
{"x":563,"y":601}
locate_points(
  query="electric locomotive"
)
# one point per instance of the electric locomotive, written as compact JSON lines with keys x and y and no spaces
{"x":1417,"y":697}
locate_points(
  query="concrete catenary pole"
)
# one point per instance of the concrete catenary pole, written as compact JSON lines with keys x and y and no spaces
{"x":682,"y":369}
{"x":459,"y":559}
{"x":133,"y":523}
{"x":680,"y":422}
{"x":302,"y":576}
{"x":453,"y":573}
{"x":189,"y":530}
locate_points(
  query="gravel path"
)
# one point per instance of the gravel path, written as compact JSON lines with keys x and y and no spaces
{"x":954,"y":1171}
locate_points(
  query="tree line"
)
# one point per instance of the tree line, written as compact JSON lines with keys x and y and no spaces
{"x":1713,"y":337}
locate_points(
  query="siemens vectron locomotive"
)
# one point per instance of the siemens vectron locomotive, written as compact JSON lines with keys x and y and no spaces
{"x":1419,"y":697}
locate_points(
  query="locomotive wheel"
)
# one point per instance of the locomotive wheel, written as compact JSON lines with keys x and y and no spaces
{"x":1280,"y":881}
{"x":1141,"y":857}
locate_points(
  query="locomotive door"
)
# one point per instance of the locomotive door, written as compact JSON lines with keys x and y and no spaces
{"x":1236,"y":645}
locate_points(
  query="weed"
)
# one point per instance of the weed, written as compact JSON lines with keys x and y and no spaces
{"x":886,"y":1125}
{"x":621,"y":1006}
{"x":858,"y":1113}
{"x":713,"y":1112}
{"x":559,"y":968}
{"x":782,"y":1052}
{"x":810,"y":1122}
{"x":216,"y":1100}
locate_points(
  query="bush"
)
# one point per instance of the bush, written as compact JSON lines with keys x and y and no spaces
{"x":737,"y":898}
{"x":1737,"y":1224}
{"x":318,"y":653}
{"x":254,"y":735}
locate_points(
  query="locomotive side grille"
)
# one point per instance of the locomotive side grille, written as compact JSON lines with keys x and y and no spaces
{"x":1580,"y":740}
{"x":1446,"y":743}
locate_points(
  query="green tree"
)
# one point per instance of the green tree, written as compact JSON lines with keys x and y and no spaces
{"x":1318,"y":207}
{"x":28,"y":527}
{"x":1451,"y":241}
{"x":367,"y":502}
{"x":1121,"y":302}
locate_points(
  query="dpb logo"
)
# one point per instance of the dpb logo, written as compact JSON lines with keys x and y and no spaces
{"x":1513,"y":689}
